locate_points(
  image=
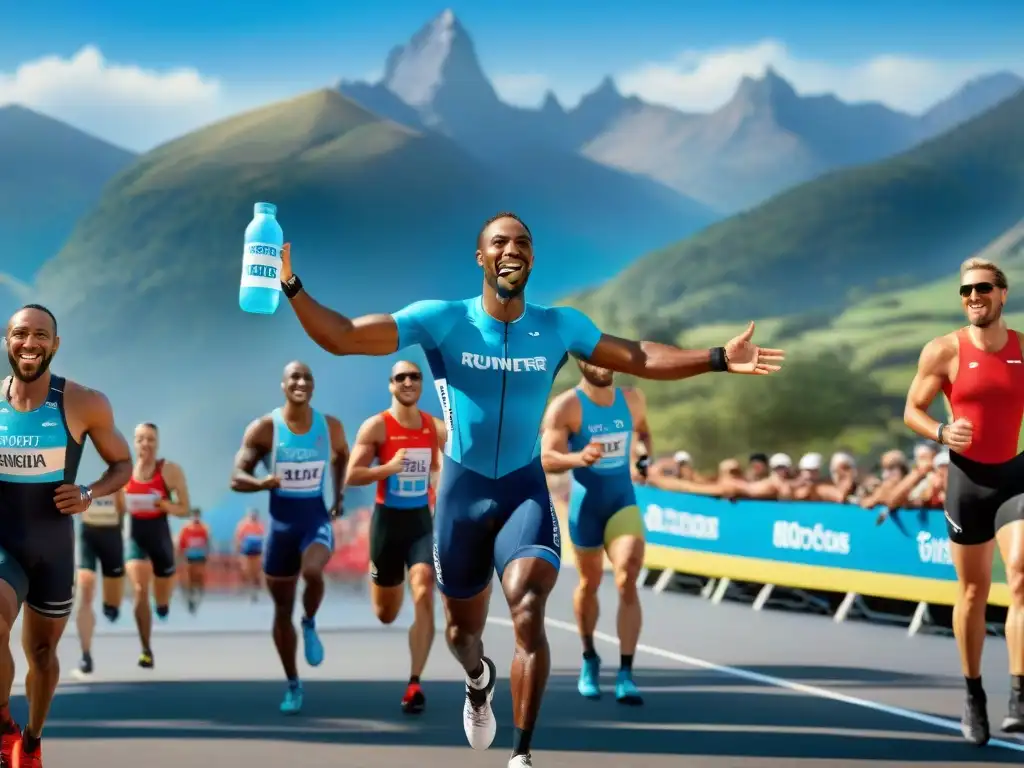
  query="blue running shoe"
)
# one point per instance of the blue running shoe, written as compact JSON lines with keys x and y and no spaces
{"x":292,"y":703}
{"x":589,"y":684}
{"x":311,"y":644}
{"x":626,"y":691}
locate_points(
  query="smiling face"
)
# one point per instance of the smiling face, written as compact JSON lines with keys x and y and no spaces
{"x":406,"y":384}
{"x":31,"y":343}
{"x":505,"y":251}
{"x":147,"y":442}
{"x":982,"y":297}
{"x":297,"y":383}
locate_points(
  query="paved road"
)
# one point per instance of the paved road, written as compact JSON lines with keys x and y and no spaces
{"x":795,"y":691}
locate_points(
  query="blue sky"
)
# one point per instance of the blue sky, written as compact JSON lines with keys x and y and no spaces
{"x":255,"y":52}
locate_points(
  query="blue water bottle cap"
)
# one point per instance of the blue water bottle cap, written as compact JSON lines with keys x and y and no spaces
{"x":265,"y":209}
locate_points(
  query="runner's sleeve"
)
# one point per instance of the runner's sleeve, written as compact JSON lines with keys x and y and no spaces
{"x":423,"y":322}
{"x":577,"y":331}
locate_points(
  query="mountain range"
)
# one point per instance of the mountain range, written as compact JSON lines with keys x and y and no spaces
{"x":765,"y":139}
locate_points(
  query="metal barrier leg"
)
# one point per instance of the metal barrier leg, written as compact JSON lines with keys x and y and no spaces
{"x":762,"y":596}
{"x":664,"y":580}
{"x":919,"y":619}
{"x":708,"y":589}
{"x":844,"y":607}
{"x":720,"y":590}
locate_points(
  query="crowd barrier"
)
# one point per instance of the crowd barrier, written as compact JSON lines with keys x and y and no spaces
{"x":803,"y":545}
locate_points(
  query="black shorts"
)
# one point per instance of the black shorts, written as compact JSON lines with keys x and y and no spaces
{"x":40,"y":566}
{"x":399,"y":539}
{"x":101,"y":545}
{"x":982,"y":498}
{"x":151,"y":540}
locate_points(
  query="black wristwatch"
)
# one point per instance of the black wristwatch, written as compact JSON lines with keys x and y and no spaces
{"x":938,"y":433}
{"x":291,"y":286}
{"x":719,"y":360}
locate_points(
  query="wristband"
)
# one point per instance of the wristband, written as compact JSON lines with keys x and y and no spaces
{"x":719,"y":362}
{"x":938,"y":433}
{"x":85,"y":492}
{"x":291,"y":286}
{"x":642,"y":464}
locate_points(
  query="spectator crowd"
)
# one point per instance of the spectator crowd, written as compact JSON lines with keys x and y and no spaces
{"x":897,"y":481}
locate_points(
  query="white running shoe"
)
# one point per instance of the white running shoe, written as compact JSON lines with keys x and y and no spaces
{"x":520,"y":761}
{"x":477,"y":715}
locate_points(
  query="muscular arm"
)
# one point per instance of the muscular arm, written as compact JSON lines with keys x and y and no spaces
{"x":640,"y":426}
{"x":364,"y":451}
{"x":932,"y":370}
{"x":98,"y":417}
{"x":367,"y":335}
{"x":174,"y":479}
{"x":255,"y":446}
{"x":339,"y":460}
{"x":649,"y":359}
{"x":561,"y":420}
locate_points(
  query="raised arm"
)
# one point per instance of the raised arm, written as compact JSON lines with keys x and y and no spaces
{"x":339,"y":462}
{"x":651,"y":360}
{"x":174,"y":479}
{"x":256,"y":444}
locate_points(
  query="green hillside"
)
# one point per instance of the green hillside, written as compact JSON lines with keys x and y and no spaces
{"x":823,"y":245}
{"x":852,"y":274}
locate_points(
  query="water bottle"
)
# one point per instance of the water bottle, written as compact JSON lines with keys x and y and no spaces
{"x":260,"y":291}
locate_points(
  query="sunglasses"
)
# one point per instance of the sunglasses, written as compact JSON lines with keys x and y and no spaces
{"x":982,"y":289}
{"x":398,"y":378}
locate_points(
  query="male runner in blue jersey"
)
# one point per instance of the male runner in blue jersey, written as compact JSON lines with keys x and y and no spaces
{"x":494,"y":358}
{"x":44,"y":420}
{"x":296,"y":443}
{"x":588,"y":431}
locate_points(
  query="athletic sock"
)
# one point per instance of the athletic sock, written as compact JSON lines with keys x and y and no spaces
{"x":626,"y":662}
{"x":974,"y":689}
{"x":521,"y":738}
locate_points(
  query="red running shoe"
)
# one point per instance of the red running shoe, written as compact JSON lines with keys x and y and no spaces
{"x":414,"y":701}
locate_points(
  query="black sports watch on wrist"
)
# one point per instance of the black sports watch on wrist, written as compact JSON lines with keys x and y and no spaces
{"x":291,"y":286}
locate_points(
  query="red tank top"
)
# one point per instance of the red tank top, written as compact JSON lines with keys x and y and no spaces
{"x":193,"y":536}
{"x":397,"y":437}
{"x":140,"y":497}
{"x":989,"y":392}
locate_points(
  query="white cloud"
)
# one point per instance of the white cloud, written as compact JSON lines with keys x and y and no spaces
{"x":704,"y":80}
{"x":522,"y":90}
{"x":130,"y":106}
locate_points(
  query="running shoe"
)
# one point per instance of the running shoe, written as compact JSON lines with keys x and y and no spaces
{"x":477,"y":716}
{"x":589,"y":684}
{"x":974,"y":725}
{"x":1014,"y":720}
{"x":414,"y":701}
{"x":311,"y":644}
{"x":22,"y":759}
{"x":292,"y":703}
{"x":520,"y":761}
{"x":8,"y":740}
{"x":626,"y":691}
{"x":146,"y":659}
{"x":85,"y":665}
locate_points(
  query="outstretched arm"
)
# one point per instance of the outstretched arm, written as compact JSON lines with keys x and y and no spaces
{"x":651,"y":360}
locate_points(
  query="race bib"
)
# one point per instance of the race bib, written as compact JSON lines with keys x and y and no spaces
{"x":613,"y":450}
{"x":102,"y":512}
{"x":140,"y":503}
{"x":414,"y":477}
{"x":300,"y":476}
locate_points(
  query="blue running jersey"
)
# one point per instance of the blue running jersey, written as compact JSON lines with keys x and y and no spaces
{"x":494,"y":378}
{"x":612,"y":427}
{"x":300,"y":462}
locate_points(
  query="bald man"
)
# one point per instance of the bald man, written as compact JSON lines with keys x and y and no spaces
{"x":296,"y":444}
{"x":406,"y":443}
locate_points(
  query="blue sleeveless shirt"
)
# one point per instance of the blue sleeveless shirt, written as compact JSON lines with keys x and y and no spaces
{"x":301,"y":463}
{"x":612,"y":426}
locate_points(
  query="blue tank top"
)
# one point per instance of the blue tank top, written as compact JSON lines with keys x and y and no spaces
{"x":612,"y":426}
{"x":37,"y":453}
{"x":300,"y":462}
{"x":494,"y":378}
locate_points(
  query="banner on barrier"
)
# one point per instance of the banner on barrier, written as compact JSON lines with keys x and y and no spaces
{"x":810,"y":545}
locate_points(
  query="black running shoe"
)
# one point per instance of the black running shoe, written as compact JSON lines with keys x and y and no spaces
{"x":85,"y":665}
{"x":1014,"y":720}
{"x":146,"y":659}
{"x":974,"y":725}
